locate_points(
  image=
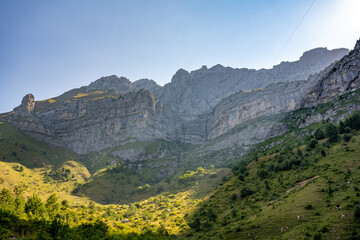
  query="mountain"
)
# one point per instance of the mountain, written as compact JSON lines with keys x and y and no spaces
{"x":113,"y":111}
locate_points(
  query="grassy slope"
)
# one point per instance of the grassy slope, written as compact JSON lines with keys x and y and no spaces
{"x":267,"y":211}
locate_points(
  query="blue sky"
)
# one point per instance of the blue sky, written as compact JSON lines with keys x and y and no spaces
{"x":49,"y":47}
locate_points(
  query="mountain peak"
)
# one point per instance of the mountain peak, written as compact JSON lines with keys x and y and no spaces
{"x":181,"y":77}
{"x":113,"y":82}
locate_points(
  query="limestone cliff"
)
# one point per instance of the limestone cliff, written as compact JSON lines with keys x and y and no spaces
{"x":336,"y":79}
{"x":194,"y":107}
{"x":106,"y":122}
{"x":199,"y":91}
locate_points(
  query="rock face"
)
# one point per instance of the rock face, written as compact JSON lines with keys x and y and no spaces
{"x":243,"y":106}
{"x":335,"y":80}
{"x":106,"y":122}
{"x":194,"y":107}
{"x":199,"y":91}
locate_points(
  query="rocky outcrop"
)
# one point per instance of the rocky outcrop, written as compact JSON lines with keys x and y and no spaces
{"x":337,"y":79}
{"x":26,"y":107}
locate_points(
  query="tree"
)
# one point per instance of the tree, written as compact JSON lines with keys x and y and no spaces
{"x":341,"y":127}
{"x":52,"y":206}
{"x":353,"y":121}
{"x":319,"y":134}
{"x":19,"y":190}
{"x":34,"y":207}
{"x":6,"y":200}
{"x":332,"y":133}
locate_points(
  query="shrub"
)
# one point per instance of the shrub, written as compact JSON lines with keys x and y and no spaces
{"x":233,"y":196}
{"x":332,"y":133}
{"x":246,"y":191}
{"x":319,"y":134}
{"x":262,"y":173}
{"x":347,"y":137}
{"x":312,"y":143}
{"x":241,"y":177}
{"x":309,"y":207}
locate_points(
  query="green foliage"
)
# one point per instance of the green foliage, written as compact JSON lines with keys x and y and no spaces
{"x":263,"y":173}
{"x":347,"y":137}
{"x":7,"y":201}
{"x":52,"y":205}
{"x":309,"y":207}
{"x":246,"y":191}
{"x":233,"y":196}
{"x":190,"y":176}
{"x":63,"y":174}
{"x":312,"y":144}
{"x":34,"y":207}
{"x":353,"y":121}
{"x":319,"y":134}
{"x":332,"y":133}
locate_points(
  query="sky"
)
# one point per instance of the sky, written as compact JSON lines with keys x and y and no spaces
{"x":49,"y":47}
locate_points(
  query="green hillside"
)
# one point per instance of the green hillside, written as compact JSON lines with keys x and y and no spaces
{"x":308,"y":172}
{"x":308,"y":177}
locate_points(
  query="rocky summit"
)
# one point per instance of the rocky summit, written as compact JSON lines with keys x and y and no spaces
{"x":194,"y":107}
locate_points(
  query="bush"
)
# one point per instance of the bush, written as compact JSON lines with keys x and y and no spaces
{"x":241,"y":177}
{"x":246,"y":191}
{"x":309,"y":207}
{"x":312,"y":143}
{"x":262,"y":173}
{"x":332,"y":133}
{"x":319,"y":134}
{"x":347,"y":137}
{"x":233,"y":196}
